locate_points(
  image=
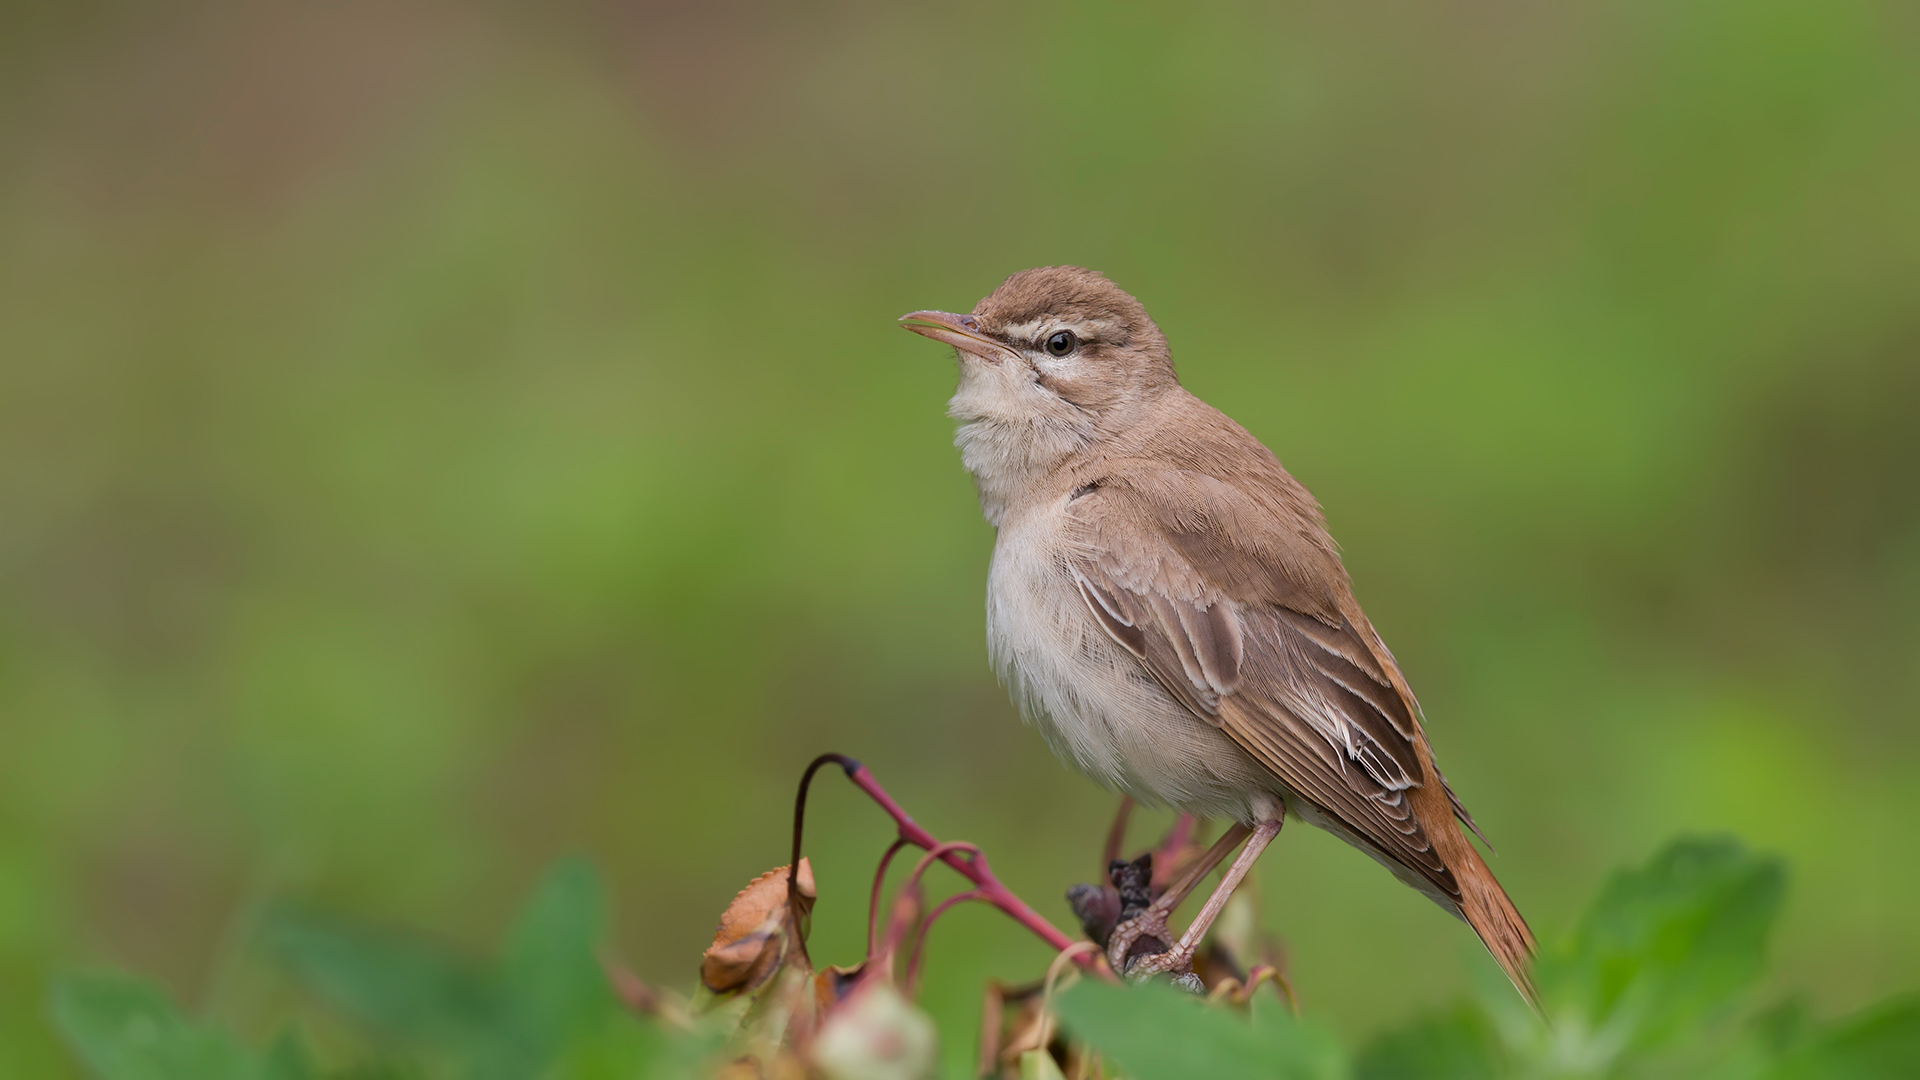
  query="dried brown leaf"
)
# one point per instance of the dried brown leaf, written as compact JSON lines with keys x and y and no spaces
{"x":755,"y":932}
{"x":833,"y":984}
{"x":763,"y":896}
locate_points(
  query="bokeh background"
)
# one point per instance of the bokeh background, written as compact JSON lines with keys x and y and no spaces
{"x":436,"y":438}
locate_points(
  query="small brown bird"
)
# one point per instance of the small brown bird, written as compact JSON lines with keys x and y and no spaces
{"x":1169,"y":611}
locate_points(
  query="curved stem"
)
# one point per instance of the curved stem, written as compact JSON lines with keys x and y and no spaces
{"x":920,"y":937}
{"x":1116,"y":837}
{"x":974,"y":870}
{"x":873,"y":898}
{"x":972,"y":866}
{"x":847,"y":765}
{"x":938,"y":851}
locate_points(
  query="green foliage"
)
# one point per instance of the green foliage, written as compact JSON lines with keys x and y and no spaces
{"x":1661,"y":948}
{"x":1646,"y":985}
{"x":1039,"y":1065}
{"x":124,"y":1029}
{"x":541,"y":1009}
{"x":1883,"y":1042}
{"x":496,"y":1021}
{"x":1156,"y":1032}
{"x":1457,"y":1045}
{"x":1654,"y":981}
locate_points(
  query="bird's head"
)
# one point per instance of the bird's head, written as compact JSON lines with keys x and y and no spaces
{"x":1059,"y":347}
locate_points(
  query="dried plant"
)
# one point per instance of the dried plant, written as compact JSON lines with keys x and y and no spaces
{"x":1653,"y":981}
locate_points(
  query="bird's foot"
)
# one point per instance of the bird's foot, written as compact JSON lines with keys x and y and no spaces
{"x":1144,"y":936}
{"x":1176,"y":963}
{"x":1142,"y":945}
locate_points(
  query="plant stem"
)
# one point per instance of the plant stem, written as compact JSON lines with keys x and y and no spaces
{"x":970,"y":865}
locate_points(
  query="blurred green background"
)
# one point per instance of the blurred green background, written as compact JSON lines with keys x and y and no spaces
{"x":436,"y":438}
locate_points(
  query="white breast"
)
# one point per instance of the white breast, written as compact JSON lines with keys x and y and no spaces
{"x":1096,"y":705}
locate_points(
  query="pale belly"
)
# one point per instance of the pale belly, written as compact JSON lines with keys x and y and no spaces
{"x":1095,"y":704}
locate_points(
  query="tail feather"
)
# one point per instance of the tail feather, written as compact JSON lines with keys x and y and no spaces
{"x":1481,"y":901}
{"x":1485,"y":906}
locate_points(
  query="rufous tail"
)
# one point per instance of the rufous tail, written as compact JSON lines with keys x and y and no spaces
{"x":1486,"y":908}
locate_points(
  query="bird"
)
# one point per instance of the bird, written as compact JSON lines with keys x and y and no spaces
{"x":1168,"y":609}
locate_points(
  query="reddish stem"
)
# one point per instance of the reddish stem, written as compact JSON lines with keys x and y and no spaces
{"x":1116,"y":837}
{"x":1179,"y":834}
{"x":1167,"y":861}
{"x":938,"y":851}
{"x":873,"y":898}
{"x":907,"y":902}
{"x":971,"y":866}
{"x":920,"y":938}
{"x":903,"y":914}
{"x":974,"y":869}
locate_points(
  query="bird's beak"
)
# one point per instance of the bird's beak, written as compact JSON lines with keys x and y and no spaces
{"x":960,"y":331}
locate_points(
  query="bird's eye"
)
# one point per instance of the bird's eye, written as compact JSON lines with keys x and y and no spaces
{"x":1061,"y":342}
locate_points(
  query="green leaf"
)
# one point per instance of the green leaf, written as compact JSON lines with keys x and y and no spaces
{"x":399,"y":986}
{"x":502,"y":1021}
{"x":1884,"y":1043}
{"x":125,"y":1029}
{"x":621,"y":1048}
{"x":1157,"y":1032}
{"x":553,"y":981}
{"x":1460,"y":1045}
{"x":625,"y":1047}
{"x":1661,"y":949}
{"x":1039,"y":1065}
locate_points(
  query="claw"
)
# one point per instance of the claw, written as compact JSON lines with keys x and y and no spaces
{"x":1139,"y":939}
{"x":1174,"y":961}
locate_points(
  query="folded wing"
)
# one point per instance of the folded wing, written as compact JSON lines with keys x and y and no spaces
{"x":1256,"y":640}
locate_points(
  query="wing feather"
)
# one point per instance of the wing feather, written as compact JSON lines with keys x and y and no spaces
{"x":1299,"y":690}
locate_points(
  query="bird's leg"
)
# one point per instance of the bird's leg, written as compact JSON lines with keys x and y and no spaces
{"x":1153,"y":921}
{"x":1180,"y":957}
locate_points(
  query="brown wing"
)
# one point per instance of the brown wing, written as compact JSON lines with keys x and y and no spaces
{"x":1255,"y":636}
